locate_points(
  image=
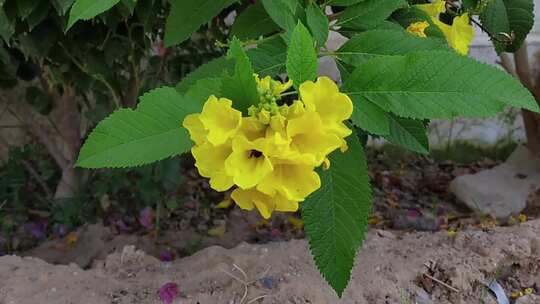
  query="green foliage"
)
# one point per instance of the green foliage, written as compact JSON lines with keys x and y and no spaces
{"x":282,"y":12}
{"x":336,"y":215}
{"x":88,"y":9}
{"x":187,"y":16}
{"x":370,"y":117}
{"x":253,"y":23}
{"x":150,"y":133}
{"x":241,"y":86}
{"x":317,"y":23}
{"x":506,"y":18}
{"x":368,"y":14}
{"x":427,"y":85}
{"x":301,"y":56}
{"x":408,"y":133}
{"x":373,"y":43}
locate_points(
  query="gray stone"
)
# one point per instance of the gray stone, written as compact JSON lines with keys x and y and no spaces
{"x":530,"y":299}
{"x":503,"y":190}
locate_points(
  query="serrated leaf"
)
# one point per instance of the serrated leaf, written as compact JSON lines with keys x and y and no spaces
{"x":214,"y":68}
{"x":508,"y":16}
{"x":335,"y":217}
{"x":369,"y":13}
{"x":240,"y":87}
{"x":370,"y":117}
{"x":408,"y":133}
{"x":147,"y":134}
{"x":282,"y":12}
{"x":253,"y":23}
{"x":317,"y":23}
{"x":301,"y":56}
{"x":186,"y":16}
{"x":437,"y":84}
{"x":88,"y":9}
{"x":268,"y":58}
{"x":370,"y":44}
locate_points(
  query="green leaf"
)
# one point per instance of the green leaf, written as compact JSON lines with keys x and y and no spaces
{"x":186,"y":16}
{"x":283,"y":12}
{"x":370,"y":117}
{"x":130,"y":138}
{"x":437,"y":84}
{"x":508,"y":16}
{"x":370,"y":44}
{"x":269,"y":57}
{"x":253,"y":23}
{"x":240,"y":87}
{"x":88,"y":9}
{"x":317,"y":23}
{"x":62,"y":6}
{"x":301,"y":56}
{"x":335,"y":216}
{"x":408,"y":133}
{"x":213,"y":68}
{"x":344,"y":2}
{"x":369,"y":13}
{"x":26,"y":7}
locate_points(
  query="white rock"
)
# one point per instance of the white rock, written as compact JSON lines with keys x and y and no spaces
{"x":503,"y":190}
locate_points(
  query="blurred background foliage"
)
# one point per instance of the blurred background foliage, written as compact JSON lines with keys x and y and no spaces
{"x":56,"y":85}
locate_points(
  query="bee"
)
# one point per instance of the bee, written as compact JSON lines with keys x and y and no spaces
{"x":454,"y":7}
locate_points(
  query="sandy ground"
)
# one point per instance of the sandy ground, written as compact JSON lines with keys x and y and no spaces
{"x":389,"y":269}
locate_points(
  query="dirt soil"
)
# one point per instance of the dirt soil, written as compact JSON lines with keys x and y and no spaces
{"x":391,"y":268}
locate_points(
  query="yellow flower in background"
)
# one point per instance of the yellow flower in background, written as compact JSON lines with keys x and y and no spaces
{"x":459,"y":35}
{"x":418,"y":28}
{"x":270,"y":155}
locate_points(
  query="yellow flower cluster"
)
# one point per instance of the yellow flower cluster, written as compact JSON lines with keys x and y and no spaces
{"x":270,"y":155}
{"x":459,"y":35}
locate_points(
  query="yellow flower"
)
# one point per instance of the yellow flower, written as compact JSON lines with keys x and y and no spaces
{"x":220,"y":119}
{"x":210,"y":162}
{"x":248,"y":164}
{"x":294,"y":181}
{"x":459,"y":35}
{"x":418,"y":28}
{"x":270,"y":156}
{"x":195,"y":128}
{"x":309,"y":138}
{"x":266,"y":204}
{"x":332,"y":106}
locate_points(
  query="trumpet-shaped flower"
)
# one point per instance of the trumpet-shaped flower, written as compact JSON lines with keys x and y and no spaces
{"x":220,"y":119}
{"x":270,"y":156}
{"x":459,"y":35}
{"x":248,"y":164}
{"x":250,"y":198}
{"x":210,"y":162}
{"x":294,"y":181}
